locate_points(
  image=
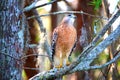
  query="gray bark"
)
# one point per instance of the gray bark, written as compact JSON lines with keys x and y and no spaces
{"x":11,"y":39}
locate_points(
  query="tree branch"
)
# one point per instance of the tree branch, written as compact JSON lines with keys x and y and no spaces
{"x":67,"y":12}
{"x":100,"y":34}
{"x":101,"y":66}
{"x":33,"y":5}
{"x":43,"y":33}
{"x":87,"y":59}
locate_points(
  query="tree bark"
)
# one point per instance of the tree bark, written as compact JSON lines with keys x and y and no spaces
{"x":11,"y":39}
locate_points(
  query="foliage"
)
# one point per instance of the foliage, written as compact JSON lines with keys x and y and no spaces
{"x":96,"y":26}
{"x":96,"y":4}
{"x":37,"y":37}
{"x":24,"y":76}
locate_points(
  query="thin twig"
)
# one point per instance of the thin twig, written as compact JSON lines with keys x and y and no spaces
{"x":31,"y":68}
{"x":104,"y":65}
{"x":115,"y":54}
{"x":68,"y":4}
{"x":67,"y":12}
{"x":34,"y":55}
{"x":33,"y":5}
{"x":10,"y":56}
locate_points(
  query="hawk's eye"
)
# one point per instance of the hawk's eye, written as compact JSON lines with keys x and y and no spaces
{"x":69,"y":14}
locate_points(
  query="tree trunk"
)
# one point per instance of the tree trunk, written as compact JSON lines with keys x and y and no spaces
{"x":11,"y":39}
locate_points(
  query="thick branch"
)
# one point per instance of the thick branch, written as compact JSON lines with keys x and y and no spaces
{"x":101,"y":66}
{"x":100,"y":34}
{"x":87,"y":60}
{"x":107,"y":26}
{"x":43,"y":30}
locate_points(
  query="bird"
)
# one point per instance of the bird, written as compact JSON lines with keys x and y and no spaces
{"x":64,"y":39}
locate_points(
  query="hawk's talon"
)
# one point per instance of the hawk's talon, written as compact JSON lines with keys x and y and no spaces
{"x":68,"y":63}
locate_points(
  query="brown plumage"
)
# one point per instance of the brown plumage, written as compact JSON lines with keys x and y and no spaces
{"x":63,"y":41}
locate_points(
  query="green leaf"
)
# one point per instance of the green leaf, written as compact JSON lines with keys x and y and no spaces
{"x":96,"y":4}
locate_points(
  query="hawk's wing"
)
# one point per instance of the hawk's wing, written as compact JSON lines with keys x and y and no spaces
{"x":53,"y":45}
{"x":73,"y":48}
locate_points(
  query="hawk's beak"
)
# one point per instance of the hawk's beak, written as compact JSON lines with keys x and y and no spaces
{"x":74,"y":16}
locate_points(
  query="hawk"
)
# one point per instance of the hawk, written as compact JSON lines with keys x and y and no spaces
{"x":63,"y":41}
